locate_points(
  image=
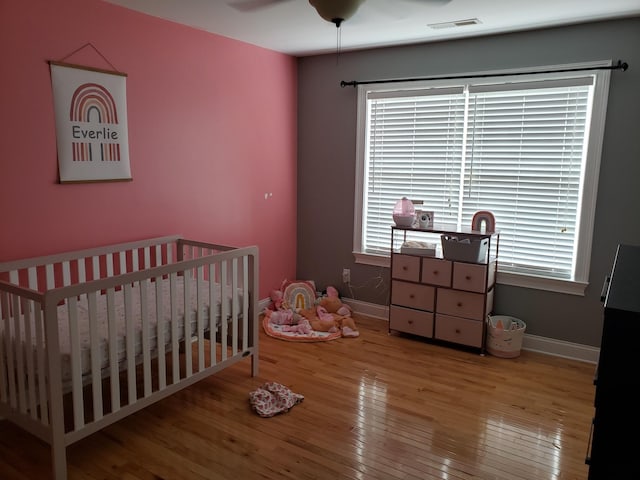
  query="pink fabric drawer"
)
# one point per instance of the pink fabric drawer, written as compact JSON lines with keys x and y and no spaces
{"x":461,"y":304}
{"x":470,"y":277}
{"x":459,"y":330}
{"x":436,"y":271}
{"x":413,"y":295}
{"x":406,"y":267}
{"x":411,"y":321}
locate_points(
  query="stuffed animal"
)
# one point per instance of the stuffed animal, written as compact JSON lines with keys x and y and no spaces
{"x":341,"y":312}
{"x":323,"y":321}
{"x":333,"y":304}
{"x":318,"y":324}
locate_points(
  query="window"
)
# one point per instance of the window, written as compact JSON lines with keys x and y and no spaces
{"x":526,"y":147}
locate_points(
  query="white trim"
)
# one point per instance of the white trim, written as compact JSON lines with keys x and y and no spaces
{"x":503,"y":278}
{"x":263,"y":304}
{"x":587,"y":202}
{"x":533,"y":343}
{"x":541,"y":283}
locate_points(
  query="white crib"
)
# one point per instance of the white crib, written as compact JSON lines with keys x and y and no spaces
{"x":89,"y":337}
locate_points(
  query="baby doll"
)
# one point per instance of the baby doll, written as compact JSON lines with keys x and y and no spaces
{"x":303,"y":327}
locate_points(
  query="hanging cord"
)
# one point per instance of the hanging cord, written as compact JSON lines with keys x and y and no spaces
{"x":89,"y":44}
{"x":354,"y":83}
{"x":338,"y":21}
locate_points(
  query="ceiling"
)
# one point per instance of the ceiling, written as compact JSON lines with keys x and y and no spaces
{"x":295,"y":28}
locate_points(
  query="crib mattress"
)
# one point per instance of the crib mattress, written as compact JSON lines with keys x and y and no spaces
{"x":153,"y":322}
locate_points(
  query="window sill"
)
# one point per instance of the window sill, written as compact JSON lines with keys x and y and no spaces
{"x":503,"y":278}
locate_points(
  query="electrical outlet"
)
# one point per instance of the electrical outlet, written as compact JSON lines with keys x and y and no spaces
{"x":346,"y":275}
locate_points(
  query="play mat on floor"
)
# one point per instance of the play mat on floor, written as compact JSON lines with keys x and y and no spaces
{"x":277,"y":331}
{"x":298,"y":314}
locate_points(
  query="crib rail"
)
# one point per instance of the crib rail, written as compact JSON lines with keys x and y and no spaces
{"x":88,"y":338}
{"x":63,"y":269}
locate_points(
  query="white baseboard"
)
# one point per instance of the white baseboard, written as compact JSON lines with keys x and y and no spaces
{"x":534,"y":343}
{"x":262,"y":304}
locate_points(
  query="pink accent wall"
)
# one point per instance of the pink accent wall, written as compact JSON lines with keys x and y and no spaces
{"x":212,"y":132}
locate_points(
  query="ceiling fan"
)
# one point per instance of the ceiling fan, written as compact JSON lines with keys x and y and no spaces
{"x":334,"y":11}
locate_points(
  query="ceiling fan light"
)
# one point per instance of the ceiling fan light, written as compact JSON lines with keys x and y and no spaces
{"x":336,"y":11}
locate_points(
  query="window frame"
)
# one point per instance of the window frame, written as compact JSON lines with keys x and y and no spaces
{"x":601,"y":71}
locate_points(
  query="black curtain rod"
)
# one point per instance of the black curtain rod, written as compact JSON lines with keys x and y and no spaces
{"x":618,"y":66}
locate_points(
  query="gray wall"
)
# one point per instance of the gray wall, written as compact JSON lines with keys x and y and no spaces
{"x":327,"y":154}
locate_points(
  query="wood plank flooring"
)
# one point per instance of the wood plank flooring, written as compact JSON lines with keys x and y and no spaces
{"x":379,"y":406}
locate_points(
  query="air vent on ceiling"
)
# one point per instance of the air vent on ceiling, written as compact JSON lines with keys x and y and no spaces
{"x":456,"y":23}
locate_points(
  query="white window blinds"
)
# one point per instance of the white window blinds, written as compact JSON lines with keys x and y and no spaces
{"x":517,"y":149}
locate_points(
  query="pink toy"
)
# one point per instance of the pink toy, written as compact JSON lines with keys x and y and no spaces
{"x":304,"y":327}
{"x":282,"y":317}
{"x":276,"y":300}
{"x":333,"y":304}
{"x":323,"y":315}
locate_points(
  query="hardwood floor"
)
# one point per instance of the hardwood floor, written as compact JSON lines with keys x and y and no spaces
{"x":376,"y":407}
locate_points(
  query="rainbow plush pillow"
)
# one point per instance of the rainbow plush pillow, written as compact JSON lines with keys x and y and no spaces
{"x":298,"y":294}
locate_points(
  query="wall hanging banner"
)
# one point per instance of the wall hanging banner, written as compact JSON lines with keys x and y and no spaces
{"x":91,"y":124}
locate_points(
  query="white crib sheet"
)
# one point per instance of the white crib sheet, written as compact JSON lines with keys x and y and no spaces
{"x":82,"y":310}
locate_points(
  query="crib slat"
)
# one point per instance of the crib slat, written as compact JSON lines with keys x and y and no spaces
{"x":147,"y":257}
{"x":224,"y":309}
{"x":82,"y":275}
{"x":110,"y":265}
{"x":130,"y":345}
{"x":95,"y":266}
{"x":51,"y":283}
{"x":66,"y":273}
{"x":42,"y":386}
{"x":187,"y":324}
{"x":6,"y":329}
{"x":158,"y":250}
{"x":94,"y":338}
{"x":27,"y":308}
{"x":146,"y":346}
{"x":32,"y":274}
{"x":113,"y":351}
{"x":213,"y":314}
{"x":76,"y":365}
{"x":162,"y":366}
{"x":134,"y":260}
{"x":199,"y":319}
{"x":19,"y":352}
{"x":174,"y":328}
{"x":245,"y":303}
{"x":234,"y":306}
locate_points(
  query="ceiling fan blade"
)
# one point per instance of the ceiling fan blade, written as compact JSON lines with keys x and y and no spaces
{"x":250,"y":5}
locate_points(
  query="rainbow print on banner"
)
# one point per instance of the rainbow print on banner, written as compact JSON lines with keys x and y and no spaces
{"x":91,"y":124}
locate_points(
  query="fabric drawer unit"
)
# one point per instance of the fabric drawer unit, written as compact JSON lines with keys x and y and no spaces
{"x":413,"y":295}
{"x":471,"y":277}
{"x":462,"y":304}
{"x":424,"y":288}
{"x":406,"y":267}
{"x":436,"y":271}
{"x":412,"y":321}
{"x":459,"y":330}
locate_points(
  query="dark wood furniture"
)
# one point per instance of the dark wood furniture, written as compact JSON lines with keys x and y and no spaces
{"x":614,"y":436}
